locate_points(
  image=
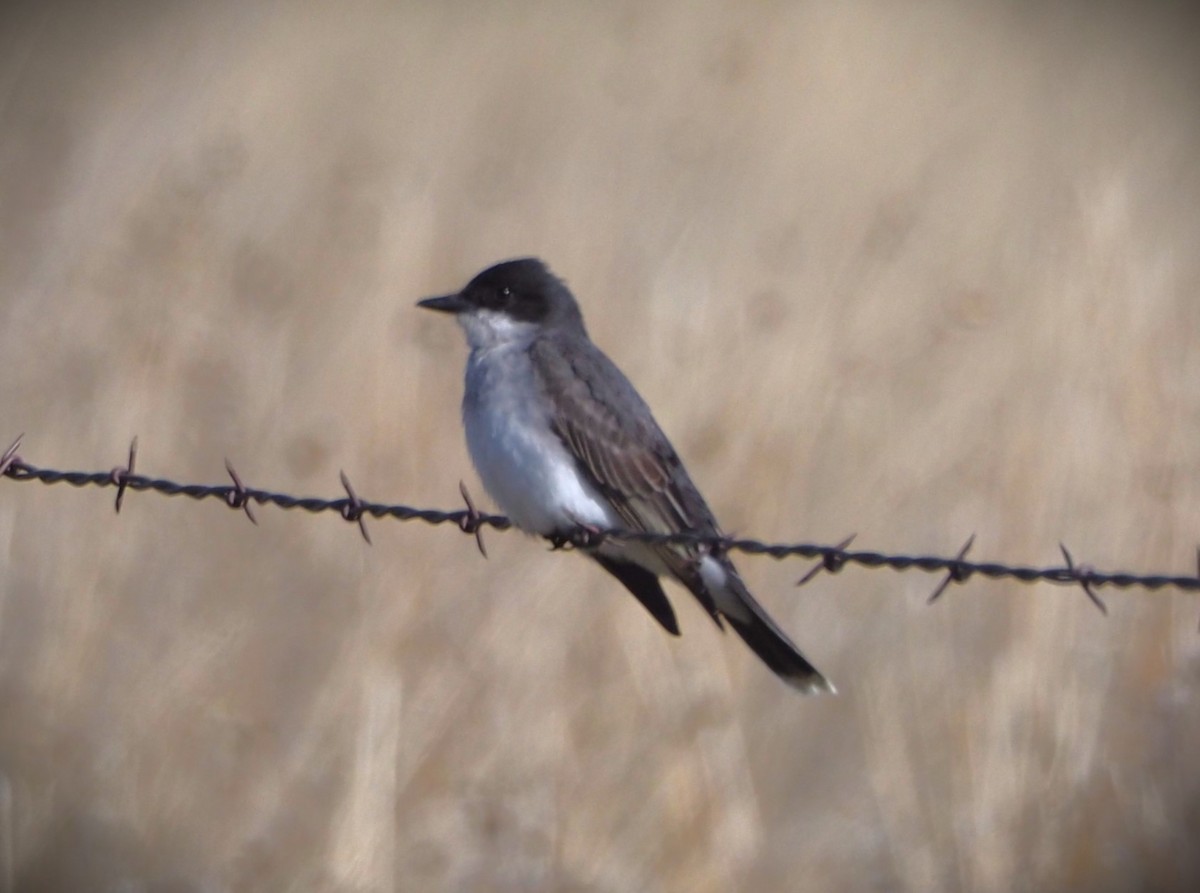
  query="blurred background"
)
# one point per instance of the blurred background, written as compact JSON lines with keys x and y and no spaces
{"x":908,"y":270}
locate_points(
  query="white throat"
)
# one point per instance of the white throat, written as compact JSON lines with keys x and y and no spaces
{"x":486,"y":329}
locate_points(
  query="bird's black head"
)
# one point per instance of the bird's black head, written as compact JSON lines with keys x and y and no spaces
{"x":521,"y":291}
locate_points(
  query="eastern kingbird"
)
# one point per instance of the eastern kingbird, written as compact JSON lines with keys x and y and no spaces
{"x":562,"y":441}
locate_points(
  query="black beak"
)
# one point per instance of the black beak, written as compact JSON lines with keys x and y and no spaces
{"x":445,"y":304}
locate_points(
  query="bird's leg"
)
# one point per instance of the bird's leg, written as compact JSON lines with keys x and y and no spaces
{"x":581,"y":536}
{"x":586,"y":536}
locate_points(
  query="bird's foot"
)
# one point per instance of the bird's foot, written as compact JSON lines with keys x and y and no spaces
{"x":581,"y":536}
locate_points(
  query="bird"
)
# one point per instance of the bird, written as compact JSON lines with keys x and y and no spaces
{"x":563,"y":443}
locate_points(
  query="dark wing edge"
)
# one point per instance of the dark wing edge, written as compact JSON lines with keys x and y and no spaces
{"x":645,"y":588}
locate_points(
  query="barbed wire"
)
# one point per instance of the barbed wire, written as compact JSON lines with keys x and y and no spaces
{"x":829,"y":558}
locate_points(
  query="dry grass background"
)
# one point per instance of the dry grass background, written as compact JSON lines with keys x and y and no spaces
{"x":908,"y":270}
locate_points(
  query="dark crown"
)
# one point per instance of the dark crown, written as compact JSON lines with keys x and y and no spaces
{"x":525,"y":290}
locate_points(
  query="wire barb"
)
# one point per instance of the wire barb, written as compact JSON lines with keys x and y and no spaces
{"x":354,"y":508}
{"x":958,"y":572}
{"x":1083,"y":575}
{"x":832,"y":560}
{"x":121,"y":476}
{"x":237,"y":496}
{"x":472,"y":521}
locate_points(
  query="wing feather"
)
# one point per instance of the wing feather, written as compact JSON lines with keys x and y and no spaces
{"x":604,"y":423}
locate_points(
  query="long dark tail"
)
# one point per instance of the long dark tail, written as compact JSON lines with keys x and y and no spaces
{"x":766,"y":639}
{"x":733,"y":601}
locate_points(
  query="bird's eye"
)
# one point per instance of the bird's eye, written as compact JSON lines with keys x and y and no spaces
{"x":494,"y":298}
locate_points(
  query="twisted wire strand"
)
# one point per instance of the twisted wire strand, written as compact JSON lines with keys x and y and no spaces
{"x":831,"y":558}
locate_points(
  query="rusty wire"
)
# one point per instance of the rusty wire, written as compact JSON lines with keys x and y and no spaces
{"x":238,"y":495}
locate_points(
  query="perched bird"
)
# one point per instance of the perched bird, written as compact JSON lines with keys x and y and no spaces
{"x":563,"y":442}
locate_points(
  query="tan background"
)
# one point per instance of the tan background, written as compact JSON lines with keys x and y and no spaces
{"x":910,"y":270}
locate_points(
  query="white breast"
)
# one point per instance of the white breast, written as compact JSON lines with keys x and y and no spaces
{"x":521,"y":461}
